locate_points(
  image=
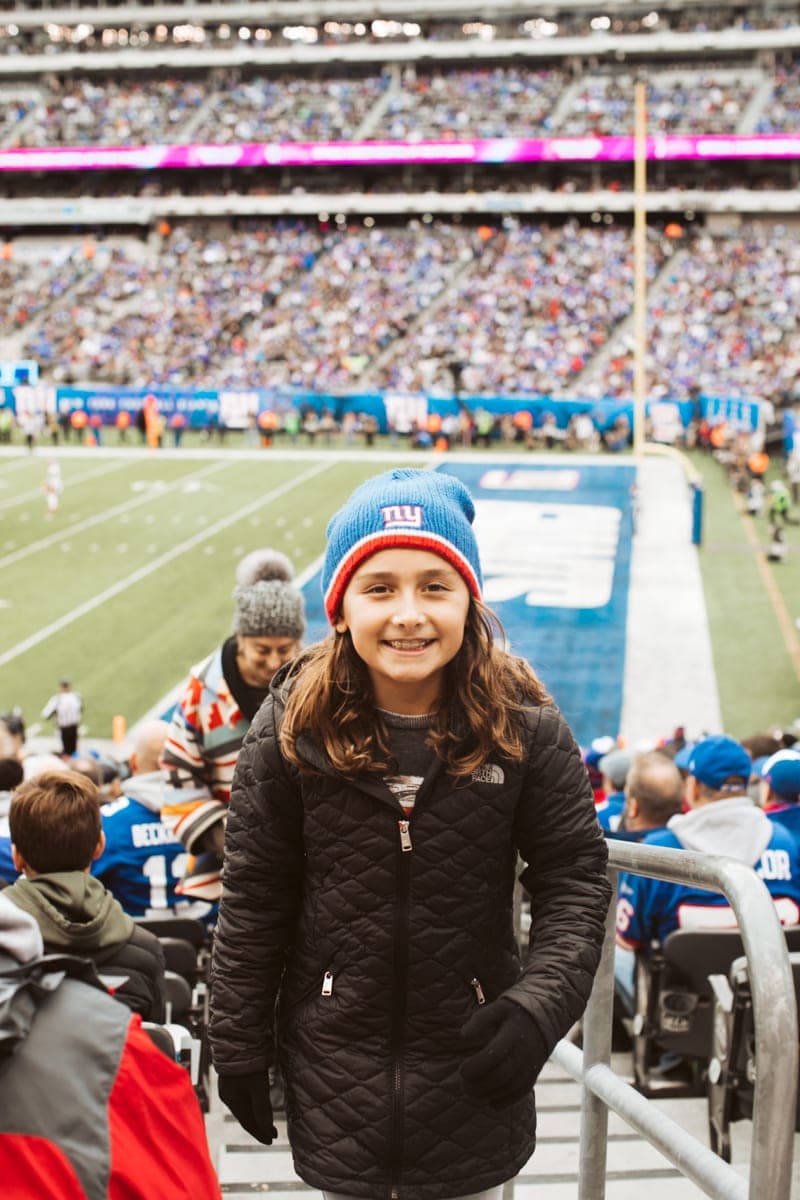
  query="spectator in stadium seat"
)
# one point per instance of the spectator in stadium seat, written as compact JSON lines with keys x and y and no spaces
{"x":222,"y":696}
{"x":55,"y":834}
{"x":653,"y":795}
{"x":614,"y":768}
{"x":12,"y":745}
{"x":143,"y":861}
{"x":16,"y":766}
{"x":89,"y":1106}
{"x":11,"y":776}
{"x":721,"y":819}
{"x":780,"y":789}
{"x":762,"y":745}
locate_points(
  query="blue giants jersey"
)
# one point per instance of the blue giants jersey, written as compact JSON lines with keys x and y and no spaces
{"x":143,"y":862}
{"x":650,"y":909}
{"x":787,"y":815}
{"x":609,"y":811}
{"x":8,"y":872}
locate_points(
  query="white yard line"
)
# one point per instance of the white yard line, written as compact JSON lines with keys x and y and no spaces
{"x":157,"y":563}
{"x":70,"y":530}
{"x":19,"y":460}
{"x":23,"y":497}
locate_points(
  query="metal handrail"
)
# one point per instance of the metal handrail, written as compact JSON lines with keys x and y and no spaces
{"x":776,"y":1039}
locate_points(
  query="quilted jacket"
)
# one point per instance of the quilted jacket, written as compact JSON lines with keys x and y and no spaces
{"x":379,"y":936}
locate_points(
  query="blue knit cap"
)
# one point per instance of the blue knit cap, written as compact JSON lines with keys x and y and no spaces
{"x":405,"y":508}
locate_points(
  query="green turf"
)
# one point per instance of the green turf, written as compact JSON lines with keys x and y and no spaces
{"x":172,"y":572}
{"x":144,"y":527}
{"x":757,"y":685}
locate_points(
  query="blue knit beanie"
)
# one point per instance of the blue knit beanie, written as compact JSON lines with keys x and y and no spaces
{"x":406,"y":509}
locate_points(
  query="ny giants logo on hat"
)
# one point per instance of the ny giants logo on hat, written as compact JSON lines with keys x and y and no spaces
{"x":402,"y":516}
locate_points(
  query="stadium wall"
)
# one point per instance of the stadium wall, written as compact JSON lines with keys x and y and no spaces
{"x":235,"y":410}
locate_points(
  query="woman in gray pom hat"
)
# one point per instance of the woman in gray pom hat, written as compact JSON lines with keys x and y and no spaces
{"x":220,"y":699}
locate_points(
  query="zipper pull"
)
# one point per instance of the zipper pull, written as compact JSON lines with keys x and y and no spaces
{"x":327,"y":984}
{"x":405,"y":836}
{"x":475,"y":984}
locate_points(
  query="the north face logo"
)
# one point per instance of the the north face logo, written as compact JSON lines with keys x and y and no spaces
{"x":402,"y":516}
{"x":488,"y":773}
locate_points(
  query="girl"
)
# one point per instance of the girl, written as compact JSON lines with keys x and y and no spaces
{"x":380,"y":802}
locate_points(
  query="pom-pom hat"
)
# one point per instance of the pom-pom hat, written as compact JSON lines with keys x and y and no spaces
{"x":267,"y":602}
{"x":401,"y":509}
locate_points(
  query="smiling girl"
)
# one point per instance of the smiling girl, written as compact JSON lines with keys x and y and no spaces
{"x":381,"y":801}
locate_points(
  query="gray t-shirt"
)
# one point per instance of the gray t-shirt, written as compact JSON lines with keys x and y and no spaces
{"x":411,"y":753}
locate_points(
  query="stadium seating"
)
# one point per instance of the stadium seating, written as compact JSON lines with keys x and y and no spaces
{"x":186,"y":946}
{"x":733,"y":1064}
{"x":530,"y":307}
{"x":486,"y":101}
{"x":675,"y":1009}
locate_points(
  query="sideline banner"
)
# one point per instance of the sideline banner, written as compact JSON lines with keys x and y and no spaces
{"x":228,"y":409}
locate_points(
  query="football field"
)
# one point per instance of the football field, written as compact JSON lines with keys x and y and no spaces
{"x":131,"y":581}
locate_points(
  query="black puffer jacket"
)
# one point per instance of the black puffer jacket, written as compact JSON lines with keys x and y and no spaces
{"x":376,"y":951}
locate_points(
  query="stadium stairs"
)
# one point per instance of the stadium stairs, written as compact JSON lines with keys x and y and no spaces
{"x":367,"y":378}
{"x":375,"y":115}
{"x":16,"y":128}
{"x":759,"y":103}
{"x":620,"y":339}
{"x":634,"y":1167}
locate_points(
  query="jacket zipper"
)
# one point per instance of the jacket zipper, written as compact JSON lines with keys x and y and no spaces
{"x":315,"y":990}
{"x":405,"y":836}
{"x":400,"y":991}
{"x":475,"y":984}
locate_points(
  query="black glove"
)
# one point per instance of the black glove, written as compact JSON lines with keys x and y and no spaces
{"x":507,"y":1053}
{"x":247,"y":1096}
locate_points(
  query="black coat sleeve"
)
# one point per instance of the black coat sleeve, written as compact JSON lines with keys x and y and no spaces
{"x":261,"y":889}
{"x":560,"y":839}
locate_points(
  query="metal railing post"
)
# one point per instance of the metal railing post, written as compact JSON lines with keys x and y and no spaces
{"x":775,"y":1012}
{"x":776,"y":1038}
{"x":597,"y":1049}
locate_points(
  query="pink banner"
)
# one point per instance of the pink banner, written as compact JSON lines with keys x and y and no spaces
{"x":326,"y":154}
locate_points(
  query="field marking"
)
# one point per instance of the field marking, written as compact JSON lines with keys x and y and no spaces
{"x":785,"y":623}
{"x":19,"y":460}
{"x":98,"y":518}
{"x":106,"y":469}
{"x":123,"y":584}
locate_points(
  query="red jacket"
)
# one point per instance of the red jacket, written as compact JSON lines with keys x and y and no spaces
{"x":90,"y":1109}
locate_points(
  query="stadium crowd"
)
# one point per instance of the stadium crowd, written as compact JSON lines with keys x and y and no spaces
{"x":726,"y":317}
{"x":529,"y":308}
{"x":408,"y":104}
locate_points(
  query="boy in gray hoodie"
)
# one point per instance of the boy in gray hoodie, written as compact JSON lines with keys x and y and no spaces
{"x":56,"y":834}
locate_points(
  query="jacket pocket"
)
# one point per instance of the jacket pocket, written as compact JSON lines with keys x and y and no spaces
{"x":321,"y":989}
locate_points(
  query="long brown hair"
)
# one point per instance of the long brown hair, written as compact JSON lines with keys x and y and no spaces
{"x":331,"y":700}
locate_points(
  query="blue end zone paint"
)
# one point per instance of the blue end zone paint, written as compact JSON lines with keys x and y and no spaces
{"x":555,"y":544}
